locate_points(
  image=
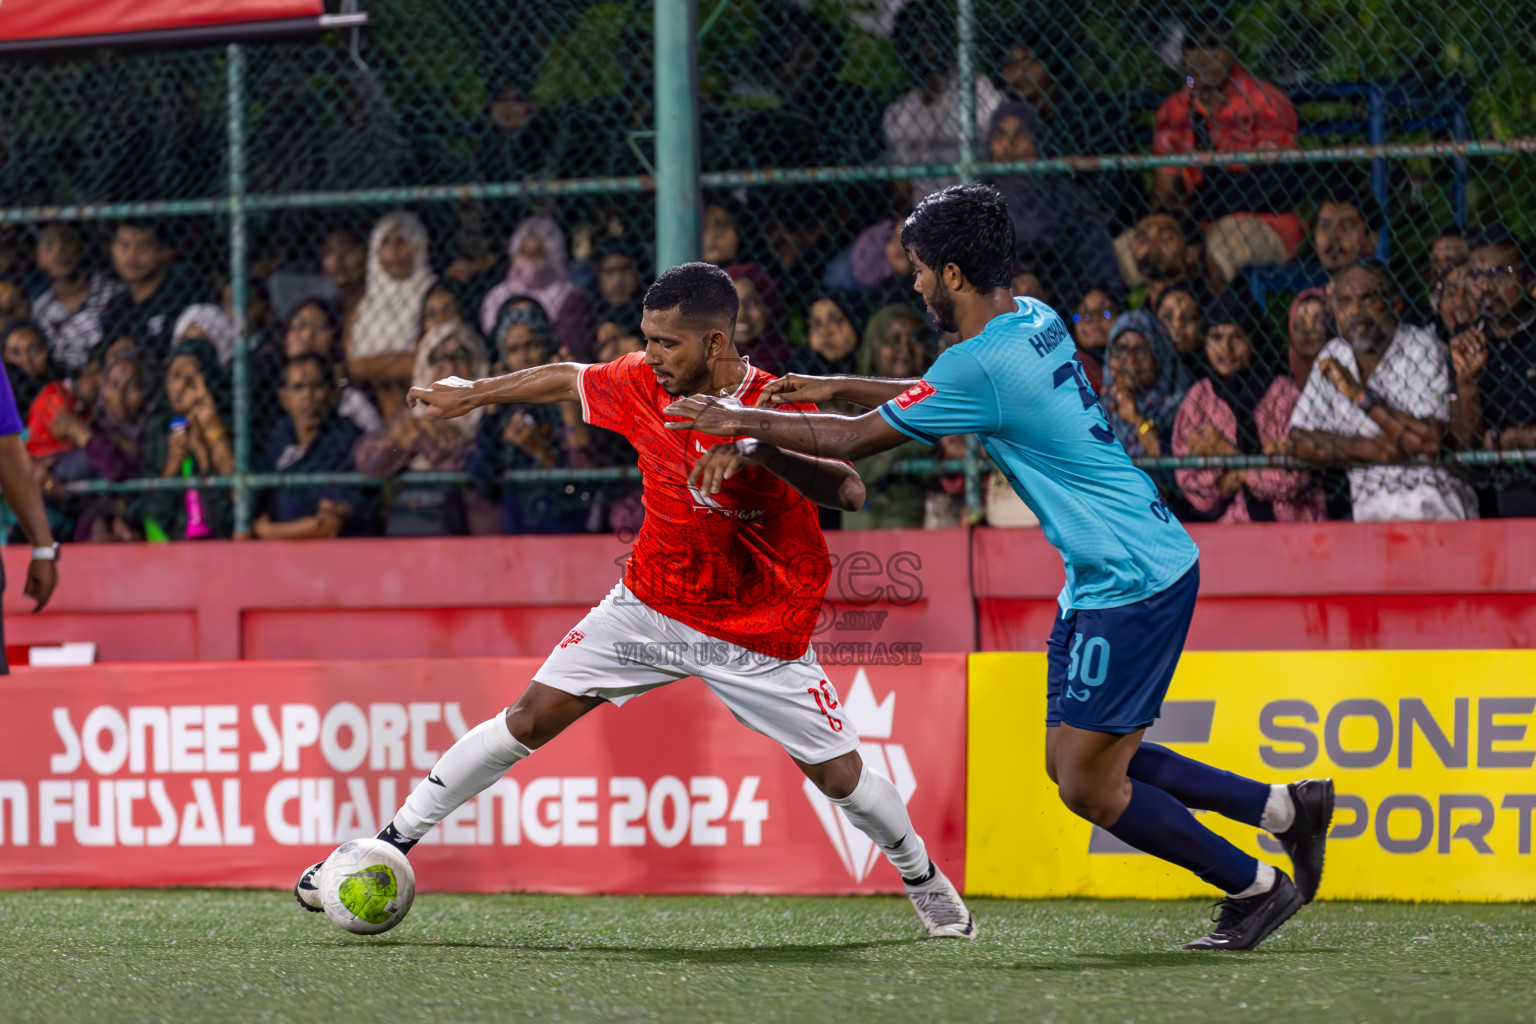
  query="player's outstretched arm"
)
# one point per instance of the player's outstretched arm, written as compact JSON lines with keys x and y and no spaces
{"x":823,"y":481}
{"x":455,"y":396}
{"x":799,"y":388}
{"x":823,"y":435}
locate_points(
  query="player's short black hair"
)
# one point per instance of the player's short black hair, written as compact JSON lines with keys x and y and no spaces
{"x":969,"y":226}
{"x":699,"y":291}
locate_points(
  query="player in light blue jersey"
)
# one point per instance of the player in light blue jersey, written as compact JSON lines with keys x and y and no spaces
{"x":1132,"y":571}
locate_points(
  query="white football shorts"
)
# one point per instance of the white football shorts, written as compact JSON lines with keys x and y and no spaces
{"x":623,"y":647}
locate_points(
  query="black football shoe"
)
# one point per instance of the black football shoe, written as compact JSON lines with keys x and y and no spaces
{"x":1244,"y":923}
{"x":1307,"y":839}
{"x":306,"y":892}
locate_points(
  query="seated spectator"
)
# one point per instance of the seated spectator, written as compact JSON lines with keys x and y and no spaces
{"x":521,"y":435}
{"x":1049,"y":211}
{"x":1179,"y":312}
{"x":381,"y":337}
{"x":1144,"y":382}
{"x":797,"y":239}
{"x":188,"y":437}
{"x":721,"y":240}
{"x":1225,"y":109}
{"x":1309,"y":326}
{"x":106,"y":431}
{"x":863,"y":266}
{"x":312,"y":329}
{"x":1163,"y":249}
{"x":618,"y":285}
{"x":613,"y":339}
{"x":310,"y":438}
{"x":476,"y":266}
{"x":412,"y":440}
{"x":517,"y":139}
{"x":1241,"y":407}
{"x":154,"y":293}
{"x":344,"y":259}
{"x":1343,"y":233}
{"x":27,"y":363}
{"x":538,"y":254}
{"x":14,"y":303}
{"x":1495,"y":364}
{"x":441,"y":306}
{"x":1380,"y":393}
{"x":207,"y":321}
{"x":921,"y":128}
{"x":892,"y":348}
{"x":1092,"y":315}
{"x":71,"y":308}
{"x":1454,"y":302}
{"x":832,"y":341}
{"x":760,"y":321}
{"x":1446,"y":252}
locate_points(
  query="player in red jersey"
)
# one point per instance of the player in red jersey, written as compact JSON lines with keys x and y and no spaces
{"x":725,"y":582}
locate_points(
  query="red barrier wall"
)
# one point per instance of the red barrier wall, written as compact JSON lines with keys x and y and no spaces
{"x":1270,"y":586}
{"x":431,"y":598}
{"x":1285,"y":586}
{"x":243,"y":775}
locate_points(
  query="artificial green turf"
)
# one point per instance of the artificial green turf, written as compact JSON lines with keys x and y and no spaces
{"x":254,"y":956}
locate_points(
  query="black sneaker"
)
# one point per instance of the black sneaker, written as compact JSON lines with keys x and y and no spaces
{"x":1307,"y":838}
{"x":393,"y":837}
{"x":1244,"y":923}
{"x":305,"y":890}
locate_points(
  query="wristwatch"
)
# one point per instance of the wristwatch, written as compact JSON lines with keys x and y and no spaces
{"x":1368,"y":400}
{"x":47,"y":554}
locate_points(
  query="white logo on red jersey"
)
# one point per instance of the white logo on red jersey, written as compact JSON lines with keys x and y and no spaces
{"x":873,"y":720}
{"x":916,"y":393}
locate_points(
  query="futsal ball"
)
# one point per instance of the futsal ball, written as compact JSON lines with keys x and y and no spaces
{"x":366,"y":886}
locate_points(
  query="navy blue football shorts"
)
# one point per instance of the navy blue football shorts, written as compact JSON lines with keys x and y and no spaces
{"x":1108,"y":669}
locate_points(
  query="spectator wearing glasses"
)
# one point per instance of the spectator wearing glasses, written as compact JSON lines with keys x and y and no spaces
{"x":1380,"y":393}
{"x":1092,"y":315}
{"x":1495,"y":362}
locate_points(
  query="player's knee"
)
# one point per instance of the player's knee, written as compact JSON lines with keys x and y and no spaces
{"x":523,"y":724}
{"x":838,"y":778}
{"x":1089,"y":798}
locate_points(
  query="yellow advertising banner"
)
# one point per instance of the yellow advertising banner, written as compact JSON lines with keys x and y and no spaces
{"x":1431,"y":753}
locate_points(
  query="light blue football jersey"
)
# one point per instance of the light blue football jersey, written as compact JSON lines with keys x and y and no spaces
{"x":1018,"y":388}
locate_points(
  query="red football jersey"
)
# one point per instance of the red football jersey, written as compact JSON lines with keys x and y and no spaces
{"x":748,"y":565}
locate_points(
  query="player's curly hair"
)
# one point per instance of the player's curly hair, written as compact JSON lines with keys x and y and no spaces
{"x":969,"y":226}
{"x":697,"y":291}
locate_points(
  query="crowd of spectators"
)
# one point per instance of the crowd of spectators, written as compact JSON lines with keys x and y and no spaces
{"x":119,"y":347}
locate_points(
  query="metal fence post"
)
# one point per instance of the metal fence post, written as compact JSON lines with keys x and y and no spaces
{"x":677,"y":133}
{"x":965,"y":87}
{"x":238,"y":287}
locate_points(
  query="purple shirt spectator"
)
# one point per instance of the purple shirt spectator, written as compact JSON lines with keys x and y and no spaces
{"x":10,"y":418}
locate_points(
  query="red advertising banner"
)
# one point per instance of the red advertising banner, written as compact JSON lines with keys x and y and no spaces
{"x":55,"y":19}
{"x":242,"y":774}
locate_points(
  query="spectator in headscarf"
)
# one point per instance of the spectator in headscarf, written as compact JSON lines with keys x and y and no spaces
{"x":1308,"y":329}
{"x":1049,"y":212}
{"x":189,"y":426}
{"x":24,"y":348}
{"x":539,"y":269}
{"x":1143,"y":384}
{"x":412,"y":440}
{"x":381,"y":339}
{"x":723,"y":235}
{"x":613,"y":339}
{"x":107,"y":429}
{"x":1092,"y":315}
{"x":760,"y":319}
{"x":832,"y":340}
{"x":1242,"y":406}
{"x":310,"y":438}
{"x":207,"y":321}
{"x":891,"y":347}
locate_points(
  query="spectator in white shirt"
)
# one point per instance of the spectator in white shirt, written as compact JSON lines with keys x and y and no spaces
{"x":923,"y":126}
{"x":70,"y":309}
{"x":1380,"y":393}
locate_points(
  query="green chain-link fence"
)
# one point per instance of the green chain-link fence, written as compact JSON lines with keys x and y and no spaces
{"x":356,"y":198}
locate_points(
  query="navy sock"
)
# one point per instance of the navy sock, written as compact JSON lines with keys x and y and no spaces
{"x":1156,"y":823}
{"x":1197,"y":785}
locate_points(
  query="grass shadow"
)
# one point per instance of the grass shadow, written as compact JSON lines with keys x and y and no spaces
{"x":1160,"y":959}
{"x":767,"y":953}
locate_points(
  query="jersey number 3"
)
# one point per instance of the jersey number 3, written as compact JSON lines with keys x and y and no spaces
{"x":1072,"y":370}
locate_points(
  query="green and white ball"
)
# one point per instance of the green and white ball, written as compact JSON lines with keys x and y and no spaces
{"x":366,"y":886}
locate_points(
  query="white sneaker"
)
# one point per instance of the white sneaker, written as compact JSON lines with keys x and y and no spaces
{"x":940,"y":907}
{"x":306,"y":891}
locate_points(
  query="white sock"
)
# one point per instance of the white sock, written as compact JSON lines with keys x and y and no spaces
{"x":1279,"y":810}
{"x":479,"y":758}
{"x":1262,"y":882}
{"x":875,"y":808}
